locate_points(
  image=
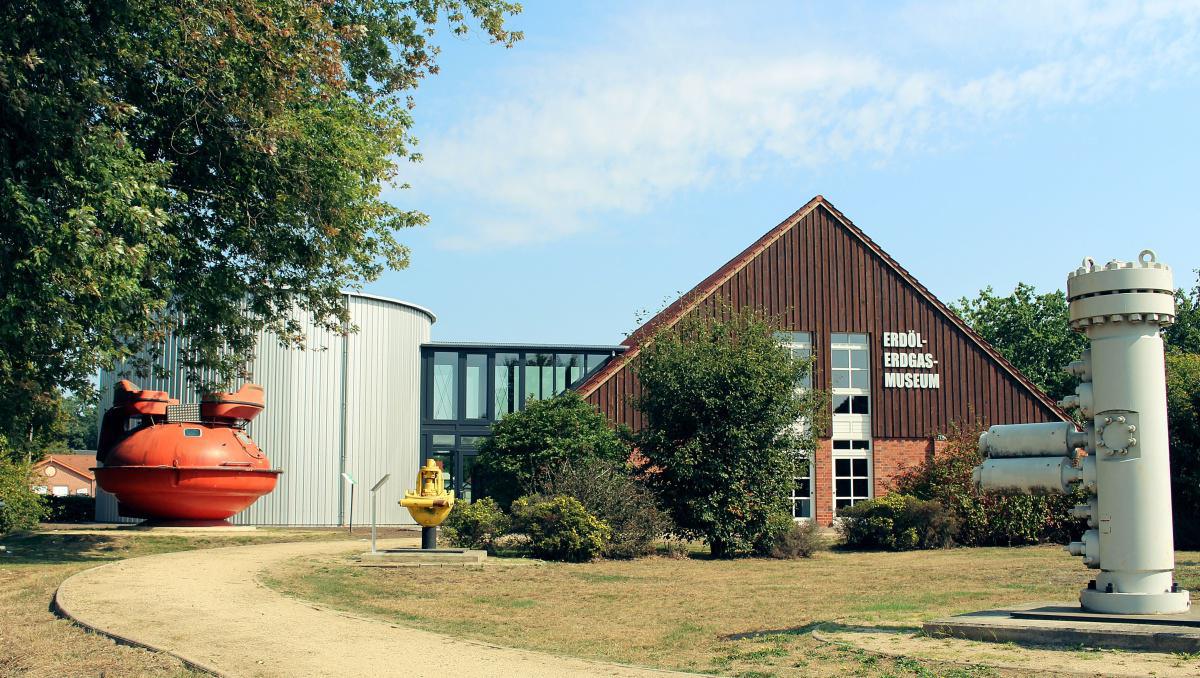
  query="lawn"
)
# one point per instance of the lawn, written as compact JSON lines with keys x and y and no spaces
{"x":34,"y":642}
{"x":749,"y":617}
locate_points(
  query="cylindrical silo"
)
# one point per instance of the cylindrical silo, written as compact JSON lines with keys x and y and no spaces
{"x":345,"y":404}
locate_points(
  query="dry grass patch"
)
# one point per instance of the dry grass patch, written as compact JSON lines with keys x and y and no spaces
{"x":739,"y":617}
{"x":34,"y":642}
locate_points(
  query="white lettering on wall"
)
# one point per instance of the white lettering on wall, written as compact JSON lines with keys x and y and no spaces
{"x":908,"y":360}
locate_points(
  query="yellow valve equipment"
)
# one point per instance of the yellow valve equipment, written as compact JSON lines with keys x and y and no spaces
{"x":431,"y":502}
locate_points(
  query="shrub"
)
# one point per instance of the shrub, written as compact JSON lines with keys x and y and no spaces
{"x":526,"y":445}
{"x":71,"y":509}
{"x":801,"y":540}
{"x":23,"y":507}
{"x":608,"y":492}
{"x":560,"y":528}
{"x":476,"y":525}
{"x":1183,"y":420}
{"x":1000,"y":518}
{"x":720,"y":405}
{"x":897,"y":522}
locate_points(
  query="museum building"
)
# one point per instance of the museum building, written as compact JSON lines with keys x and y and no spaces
{"x":899,"y":365}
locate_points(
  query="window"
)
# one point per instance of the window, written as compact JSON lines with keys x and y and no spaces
{"x":40,"y":489}
{"x":851,"y":404}
{"x":472,"y":441}
{"x":476,"y":386}
{"x":568,"y":369}
{"x":61,"y":490}
{"x":539,"y":376}
{"x":595,"y":361}
{"x":445,"y":385}
{"x":800,"y":344}
{"x":851,"y":472}
{"x":802,"y":494}
{"x":851,"y":367}
{"x":508,"y":373}
{"x":83,"y":492}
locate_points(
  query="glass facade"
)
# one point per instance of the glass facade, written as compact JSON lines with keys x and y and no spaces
{"x":465,"y":388}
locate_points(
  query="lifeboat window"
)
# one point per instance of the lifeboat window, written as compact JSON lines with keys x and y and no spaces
{"x":132,"y":423}
{"x":191,"y":432}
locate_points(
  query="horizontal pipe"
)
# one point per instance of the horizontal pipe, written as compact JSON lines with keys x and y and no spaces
{"x":1027,"y":474}
{"x":1047,"y":439}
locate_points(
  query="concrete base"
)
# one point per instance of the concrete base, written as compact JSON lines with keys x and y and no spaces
{"x":1070,"y":625}
{"x":424,"y":558}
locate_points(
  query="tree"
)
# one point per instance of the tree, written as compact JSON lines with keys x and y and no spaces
{"x":201,"y":167}
{"x":721,"y":441}
{"x":1183,"y":421}
{"x":81,"y":422}
{"x":1183,"y":336}
{"x":526,"y":446}
{"x":1031,"y":330}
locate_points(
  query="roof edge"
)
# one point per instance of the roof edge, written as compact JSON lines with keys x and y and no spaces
{"x":392,"y":300}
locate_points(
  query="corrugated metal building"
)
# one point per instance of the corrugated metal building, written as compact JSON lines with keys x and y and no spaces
{"x":347,"y":404}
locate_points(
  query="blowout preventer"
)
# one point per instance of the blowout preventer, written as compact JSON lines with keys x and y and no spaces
{"x":1125,"y":470}
{"x":430,"y":502}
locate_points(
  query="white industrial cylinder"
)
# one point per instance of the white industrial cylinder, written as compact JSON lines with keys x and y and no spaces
{"x":1121,"y":307}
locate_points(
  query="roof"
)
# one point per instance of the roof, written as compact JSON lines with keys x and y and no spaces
{"x":619,"y":348}
{"x":688,"y":301}
{"x":79,"y":463}
{"x":390,"y":300}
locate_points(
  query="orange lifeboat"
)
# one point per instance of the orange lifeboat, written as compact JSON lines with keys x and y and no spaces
{"x":192,"y":463}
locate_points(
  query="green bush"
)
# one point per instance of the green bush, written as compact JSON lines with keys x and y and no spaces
{"x":23,"y":507}
{"x":560,"y":528}
{"x":801,"y":540}
{"x":897,"y":522}
{"x":1183,"y":421}
{"x":608,"y":492}
{"x":70,"y":509}
{"x":1002,"y":518}
{"x":525,"y":446}
{"x":476,"y":525}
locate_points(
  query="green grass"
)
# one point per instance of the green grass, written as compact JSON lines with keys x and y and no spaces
{"x":730,"y":617}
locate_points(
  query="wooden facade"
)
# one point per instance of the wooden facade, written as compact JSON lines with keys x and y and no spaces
{"x":821,"y":274}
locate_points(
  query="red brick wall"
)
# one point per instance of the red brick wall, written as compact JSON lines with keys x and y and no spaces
{"x":890,"y":457}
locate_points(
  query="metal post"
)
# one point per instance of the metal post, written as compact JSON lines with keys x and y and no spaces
{"x":428,"y":538}
{"x":374,"y":491}
{"x":350,"y":479}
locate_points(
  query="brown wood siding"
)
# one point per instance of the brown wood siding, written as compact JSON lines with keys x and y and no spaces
{"x":820,"y":277}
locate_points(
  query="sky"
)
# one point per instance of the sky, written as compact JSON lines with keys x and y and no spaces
{"x":624,"y":150}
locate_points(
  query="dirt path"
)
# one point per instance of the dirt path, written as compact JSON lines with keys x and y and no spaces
{"x":207,"y":608}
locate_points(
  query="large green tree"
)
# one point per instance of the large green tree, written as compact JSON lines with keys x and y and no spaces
{"x":201,"y":167}
{"x":1031,"y":330}
{"x":722,"y":447}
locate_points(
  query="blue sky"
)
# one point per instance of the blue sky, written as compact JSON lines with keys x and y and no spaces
{"x":623,"y":151}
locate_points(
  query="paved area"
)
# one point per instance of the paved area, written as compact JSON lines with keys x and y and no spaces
{"x":207,"y":608}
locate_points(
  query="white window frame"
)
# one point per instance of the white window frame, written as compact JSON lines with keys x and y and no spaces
{"x":864,"y":451}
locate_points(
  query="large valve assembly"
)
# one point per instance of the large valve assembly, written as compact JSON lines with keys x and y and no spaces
{"x":1125,"y":472}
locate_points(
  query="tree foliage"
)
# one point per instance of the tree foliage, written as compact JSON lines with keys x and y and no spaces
{"x":720,"y":441}
{"x":1031,"y":330}
{"x":1183,"y":336}
{"x":202,"y":167}
{"x":1183,"y":420}
{"x":527,"y":446}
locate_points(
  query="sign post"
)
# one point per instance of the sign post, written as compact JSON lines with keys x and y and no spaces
{"x":374,"y":490}
{"x":350,"y":479}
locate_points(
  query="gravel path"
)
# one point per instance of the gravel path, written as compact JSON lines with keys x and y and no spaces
{"x":207,"y":608}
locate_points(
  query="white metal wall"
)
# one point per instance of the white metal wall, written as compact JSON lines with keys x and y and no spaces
{"x":306,"y":431}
